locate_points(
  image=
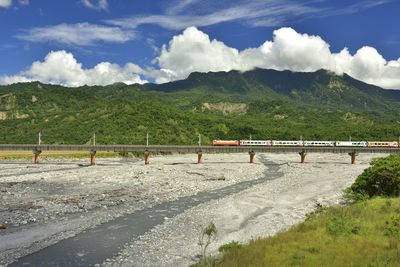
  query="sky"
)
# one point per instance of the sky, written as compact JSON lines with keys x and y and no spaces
{"x":101,"y":42}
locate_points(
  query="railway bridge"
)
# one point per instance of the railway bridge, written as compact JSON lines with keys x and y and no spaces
{"x":199,"y":150}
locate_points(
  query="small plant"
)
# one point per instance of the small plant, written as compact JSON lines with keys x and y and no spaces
{"x":387,"y":207}
{"x":351,"y":196}
{"x":340,"y":223}
{"x":230,"y":246}
{"x":336,"y":226}
{"x":319,"y":209}
{"x":207,"y":234}
{"x":392,"y":227}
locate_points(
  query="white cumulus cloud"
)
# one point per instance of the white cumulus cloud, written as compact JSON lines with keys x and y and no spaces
{"x":193,"y":51}
{"x":5,"y":3}
{"x":60,"y":67}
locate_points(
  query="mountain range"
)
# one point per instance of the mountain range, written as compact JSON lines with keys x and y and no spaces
{"x":266,"y":104}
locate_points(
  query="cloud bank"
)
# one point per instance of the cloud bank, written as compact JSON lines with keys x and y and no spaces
{"x":60,"y":67}
{"x":194,"y":51}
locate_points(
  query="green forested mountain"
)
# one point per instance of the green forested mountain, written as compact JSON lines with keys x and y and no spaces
{"x":266,"y":104}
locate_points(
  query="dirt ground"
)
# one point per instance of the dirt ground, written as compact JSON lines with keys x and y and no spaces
{"x":56,"y":199}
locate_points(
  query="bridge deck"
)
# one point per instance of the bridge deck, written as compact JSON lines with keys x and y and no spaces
{"x":195,"y":149}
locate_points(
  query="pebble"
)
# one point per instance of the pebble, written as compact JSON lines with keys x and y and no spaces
{"x":3,"y":226}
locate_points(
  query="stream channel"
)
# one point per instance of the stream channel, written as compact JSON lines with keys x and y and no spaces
{"x":104,"y":241}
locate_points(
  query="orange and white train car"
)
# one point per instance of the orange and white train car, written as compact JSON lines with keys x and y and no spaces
{"x":382,"y":144}
{"x":225,"y":143}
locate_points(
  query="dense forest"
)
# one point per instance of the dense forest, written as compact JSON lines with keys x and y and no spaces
{"x":263,"y":104}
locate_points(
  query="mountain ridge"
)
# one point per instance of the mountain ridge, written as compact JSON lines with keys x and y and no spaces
{"x":266,"y":104}
{"x":308,"y":87}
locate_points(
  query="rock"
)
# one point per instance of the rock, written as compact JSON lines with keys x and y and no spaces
{"x":3,"y":226}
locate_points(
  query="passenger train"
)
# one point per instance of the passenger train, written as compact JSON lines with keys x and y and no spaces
{"x":305,"y":143}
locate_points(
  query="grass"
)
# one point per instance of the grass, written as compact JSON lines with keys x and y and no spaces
{"x":363,"y":234}
{"x":19,"y":155}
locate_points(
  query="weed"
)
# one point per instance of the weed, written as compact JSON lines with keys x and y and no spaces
{"x":207,"y":234}
{"x":314,"y":250}
{"x":387,"y":206}
{"x":352,"y":197}
{"x":297,"y":257}
{"x":342,"y":225}
{"x":319,"y":208}
{"x":230,"y":246}
{"x":392,"y":227}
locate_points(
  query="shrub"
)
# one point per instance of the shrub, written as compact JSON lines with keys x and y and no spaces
{"x":381,"y":179}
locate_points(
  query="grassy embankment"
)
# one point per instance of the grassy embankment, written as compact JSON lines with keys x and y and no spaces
{"x":365,"y":233}
{"x":27,"y":155}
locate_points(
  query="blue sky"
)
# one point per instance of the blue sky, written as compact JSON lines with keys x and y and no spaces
{"x":78,"y":42}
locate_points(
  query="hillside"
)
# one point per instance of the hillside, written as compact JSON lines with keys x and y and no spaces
{"x":262,"y":103}
{"x":319,"y":88}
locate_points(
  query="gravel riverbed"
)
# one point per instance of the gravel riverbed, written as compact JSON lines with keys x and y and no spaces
{"x":56,"y":199}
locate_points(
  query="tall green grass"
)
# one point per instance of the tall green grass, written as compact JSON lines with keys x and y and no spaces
{"x":364,"y":234}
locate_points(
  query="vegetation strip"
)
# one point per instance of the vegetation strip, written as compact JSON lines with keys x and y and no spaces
{"x":366,"y":232}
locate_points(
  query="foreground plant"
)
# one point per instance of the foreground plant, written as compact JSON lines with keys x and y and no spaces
{"x":207,"y":235}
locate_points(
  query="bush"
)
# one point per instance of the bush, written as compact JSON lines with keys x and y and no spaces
{"x":381,"y":179}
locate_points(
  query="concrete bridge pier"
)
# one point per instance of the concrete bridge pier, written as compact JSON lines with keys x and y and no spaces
{"x":302,"y":156}
{"x":92,"y":157}
{"x":353,"y":157}
{"x":252,"y":154}
{"x":37,"y":152}
{"x":146,"y":157}
{"x":199,"y":157}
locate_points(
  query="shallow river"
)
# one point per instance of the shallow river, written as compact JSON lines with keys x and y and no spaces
{"x":104,"y":241}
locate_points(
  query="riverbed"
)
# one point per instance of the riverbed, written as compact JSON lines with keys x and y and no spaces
{"x":59,"y":199}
